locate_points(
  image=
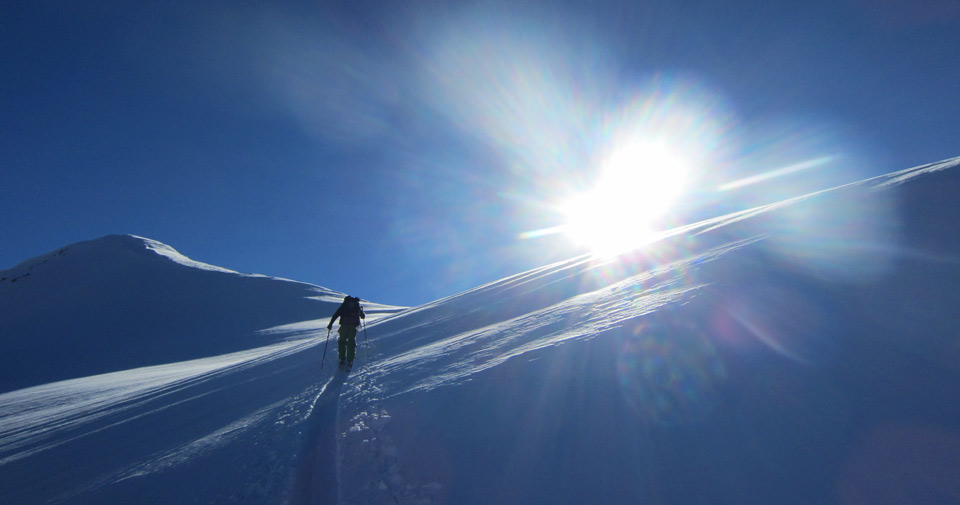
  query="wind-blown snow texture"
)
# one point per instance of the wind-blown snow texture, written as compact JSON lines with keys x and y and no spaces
{"x":804,"y":351}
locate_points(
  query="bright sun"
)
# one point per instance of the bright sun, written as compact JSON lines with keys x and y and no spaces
{"x":638,"y":184}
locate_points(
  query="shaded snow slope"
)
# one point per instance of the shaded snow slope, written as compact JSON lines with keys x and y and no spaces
{"x":122,"y":302}
{"x":804,"y":351}
{"x":760,"y":357}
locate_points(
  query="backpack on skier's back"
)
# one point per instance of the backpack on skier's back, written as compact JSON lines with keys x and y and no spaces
{"x":350,"y":311}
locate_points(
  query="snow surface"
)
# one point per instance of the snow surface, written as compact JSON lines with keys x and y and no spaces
{"x":804,"y":351}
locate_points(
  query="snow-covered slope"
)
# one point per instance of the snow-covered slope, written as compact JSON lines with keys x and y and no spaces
{"x":122,"y":301}
{"x":803,"y":351}
{"x":747,"y":359}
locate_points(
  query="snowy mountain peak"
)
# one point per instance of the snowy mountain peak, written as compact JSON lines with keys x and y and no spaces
{"x":98,"y":257}
{"x":123,"y":301}
{"x":802,"y":350}
{"x":172,"y":254}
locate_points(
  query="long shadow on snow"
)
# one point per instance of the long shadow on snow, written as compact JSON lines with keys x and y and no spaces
{"x":316,"y":474}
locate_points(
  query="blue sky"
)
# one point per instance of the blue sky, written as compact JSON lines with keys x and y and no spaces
{"x":404,"y":151}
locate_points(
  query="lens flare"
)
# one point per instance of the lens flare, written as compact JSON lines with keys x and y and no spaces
{"x":669,"y":371}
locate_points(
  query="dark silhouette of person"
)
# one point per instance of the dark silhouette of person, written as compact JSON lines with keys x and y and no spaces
{"x":350,"y":313}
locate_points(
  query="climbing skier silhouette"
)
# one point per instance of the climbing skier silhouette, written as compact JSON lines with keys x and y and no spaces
{"x":350,"y":313}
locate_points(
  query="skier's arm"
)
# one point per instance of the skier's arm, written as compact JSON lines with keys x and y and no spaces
{"x":334,"y":317}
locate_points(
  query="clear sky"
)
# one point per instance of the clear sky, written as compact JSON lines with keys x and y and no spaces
{"x":405,"y":151}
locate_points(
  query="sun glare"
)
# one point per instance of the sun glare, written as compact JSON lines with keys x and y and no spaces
{"x":638,"y":184}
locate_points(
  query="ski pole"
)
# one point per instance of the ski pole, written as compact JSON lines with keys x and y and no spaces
{"x":325,"y":349}
{"x":365,"y":340}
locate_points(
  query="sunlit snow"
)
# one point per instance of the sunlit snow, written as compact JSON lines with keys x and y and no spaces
{"x":761,"y":356}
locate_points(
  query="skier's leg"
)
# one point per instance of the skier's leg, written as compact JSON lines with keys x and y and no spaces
{"x":352,"y":347}
{"x":342,"y":343}
{"x":350,"y":341}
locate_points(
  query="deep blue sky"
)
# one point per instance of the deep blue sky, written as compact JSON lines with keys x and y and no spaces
{"x":396,"y":150}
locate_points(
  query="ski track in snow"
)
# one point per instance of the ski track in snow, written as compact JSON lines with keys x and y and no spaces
{"x":315,"y":480}
{"x":57,"y":420}
{"x":369,"y":462}
{"x":266,"y":416}
{"x":42,"y":417}
{"x":368,"y":455}
{"x":326,"y":437}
